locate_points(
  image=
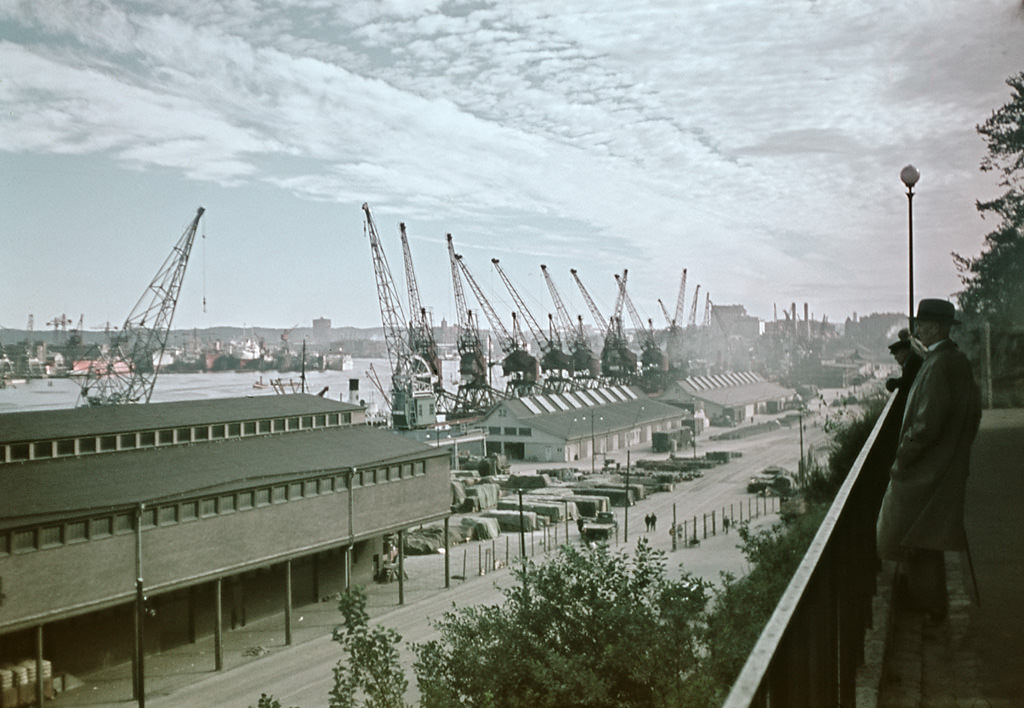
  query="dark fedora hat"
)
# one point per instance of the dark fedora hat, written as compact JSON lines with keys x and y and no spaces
{"x":937,"y":310}
{"x":899,"y":344}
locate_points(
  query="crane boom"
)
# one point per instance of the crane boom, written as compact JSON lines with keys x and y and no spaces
{"x":679,"y":301}
{"x":599,"y":319}
{"x":543,"y":339}
{"x":507,"y":342}
{"x":391,"y":313}
{"x":421,"y":329}
{"x":127,"y":371}
{"x":664,"y":311}
{"x":692,"y":322}
{"x":564,"y":321}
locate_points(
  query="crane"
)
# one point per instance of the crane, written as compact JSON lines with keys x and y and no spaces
{"x":474,"y":395}
{"x":412,"y":386}
{"x":675,"y":349}
{"x":678,"y":317}
{"x":652,"y":360}
{"x":664,"y":310}
{"x":126,"y":371}
{"x":586,"y":366}
{"x":421,"y":331}
{"x":618,"y":363}
{"x":692,"y":322}
{"x":554,"y":362}
{"x":707,"y":309}
{"x":519,"y":366}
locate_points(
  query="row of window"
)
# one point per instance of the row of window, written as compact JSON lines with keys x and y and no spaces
{"x":81,"y":530}
{"x":88,"y":445}
{"x":518,"y":432}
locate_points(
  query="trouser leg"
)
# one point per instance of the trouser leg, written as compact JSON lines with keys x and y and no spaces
{"x":925,"y":570}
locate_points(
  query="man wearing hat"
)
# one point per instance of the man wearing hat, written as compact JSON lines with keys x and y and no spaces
{"x":922,"y":513}
{"x":910,"y":362}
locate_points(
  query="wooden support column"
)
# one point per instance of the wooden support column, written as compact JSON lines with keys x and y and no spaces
{"x":39,"y":666}
{"x":401,"y":567}
{"x":218,"y":627}
{"x":192,"y":614}
{"x":288,"y":602}
{"x":447,"y":557}
{"x":348,"y":567}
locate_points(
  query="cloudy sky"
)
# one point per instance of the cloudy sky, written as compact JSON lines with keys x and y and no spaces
{"x":756,"y":143}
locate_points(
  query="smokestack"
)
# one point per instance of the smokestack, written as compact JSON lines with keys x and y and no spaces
{"x":353,"y":391}
{"x":807,"y":322}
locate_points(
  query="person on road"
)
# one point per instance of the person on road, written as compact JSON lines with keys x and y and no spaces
{"x":922,"y":512}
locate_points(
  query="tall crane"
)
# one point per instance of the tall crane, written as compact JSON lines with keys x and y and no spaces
{"x":674,"y":345}
{"x":421,"y":329}
{"x":556,"y":365}
{"x":518,"y":365}
{"x":618,"y":362}
{"x":475,"y":394}
{"x":692,"y":321}
{"x":586,"y":366}
{"x":126,"y":371}
{"x":412,"y":385}
{"x":652,"y":360}
{"x":664,"y":311}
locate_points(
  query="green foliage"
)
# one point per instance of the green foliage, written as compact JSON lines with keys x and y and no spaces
{"x":847,"y":437}
{"x":741,"y":607}
{"x":267,"y":701}
{"x":994,"y":280}
{"x":589,"y":627}
{"x":372,"y":670}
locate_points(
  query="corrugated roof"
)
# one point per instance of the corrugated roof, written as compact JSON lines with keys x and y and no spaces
{"x":733,"y":389}
{"x":73,"y":422}
{"x":34,"y":491}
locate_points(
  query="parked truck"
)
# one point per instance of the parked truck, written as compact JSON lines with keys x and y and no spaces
{"x":600,"y":529}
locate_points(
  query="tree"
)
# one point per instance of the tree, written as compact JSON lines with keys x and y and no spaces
{"x":994,"y":280}
{"x":588,"y":627}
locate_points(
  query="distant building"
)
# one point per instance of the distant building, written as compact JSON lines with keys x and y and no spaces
{"x":736,"y":396}
{"x":569,"y":426}
{"x":237,"y":505}
{"x":322,"y":330}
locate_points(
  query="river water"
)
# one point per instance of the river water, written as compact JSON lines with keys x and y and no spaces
{"x":48,"y":394}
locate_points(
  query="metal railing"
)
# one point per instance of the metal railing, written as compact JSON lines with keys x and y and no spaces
{"x":811,"y":647}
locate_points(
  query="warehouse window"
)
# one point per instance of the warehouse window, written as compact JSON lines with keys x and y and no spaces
{"x":201,"y":432}
{"x":23,"y":541}
{"x":262,"y":497}
{"x":101,"y":528}
{"x":407,"y":470}
{"x":226,"y":504}
{"x":245,"y":501}
{"x":419,"y":468}
{"x":51,"y":536}
{"x":279,"y":425}
{"x":65,"y":447}
{"x":165,"y":437}
{"x":526,"y":432}
{"x":321,"y":421}
{"x":293,"y":423}
{"x":307,"y":421}
{"x":5,"y":544}
{"x":18,"y":451}
{"x":108,"y":443}
{"x":148,"y":518}
{"x":147,"y":439}
{"x":127,"y":441}
{"x":279,"y":494}
{"x":309,"y":488}
{"x":346,"y":418}
{"x":183,"y":435}
{"x":123,"y":523}
{"x":234,"y":430}
{"x":265,"y":426}
{"x":510,"y":431}
{"x":494,"y":430}
{"x":42,"y":449}
{"x":295,"y":490}
{"x":327,"y":485}
{"x":167,"y":515}
{"x":189,"y":511}
{"x":208,"y":507}
{"x":392,"y":473}
{"x":217,"y":431}
{"x":76,"y":531}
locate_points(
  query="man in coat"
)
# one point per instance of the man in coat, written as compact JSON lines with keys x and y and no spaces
{"x":922,"y":513}
{"x":910,"y":362}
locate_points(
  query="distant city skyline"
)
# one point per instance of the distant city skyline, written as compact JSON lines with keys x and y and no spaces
{"x":756,"y":144}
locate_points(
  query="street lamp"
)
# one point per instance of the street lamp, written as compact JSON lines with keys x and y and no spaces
{"x":909,"y":176}
{"x":800,"y":412}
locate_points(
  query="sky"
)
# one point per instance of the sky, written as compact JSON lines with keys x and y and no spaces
{"x":755,"y":143}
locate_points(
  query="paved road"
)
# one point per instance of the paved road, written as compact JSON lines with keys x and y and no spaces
{"x":300,"y":675}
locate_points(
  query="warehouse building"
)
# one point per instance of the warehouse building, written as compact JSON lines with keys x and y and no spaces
{"x":734,"y":396}
{"x":228,"y":509}
{"x":569,"y":426}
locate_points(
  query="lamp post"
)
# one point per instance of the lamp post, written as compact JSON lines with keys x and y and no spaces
{"x":909,"y":176}
{"x":800,"y":412}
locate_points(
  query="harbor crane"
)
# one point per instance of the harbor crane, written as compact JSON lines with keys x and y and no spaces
{"x":653,"y":364}
{"x":586,"y":366}
{"x":519,"y":366}
{"x":556,"y":365}
{"x":412,"y":386}
{"x":618,"y":362}
{"x":675,"y":349}
{"x":126,"y":371}
{"x":475,"y":394}
{"x":692,"y":321}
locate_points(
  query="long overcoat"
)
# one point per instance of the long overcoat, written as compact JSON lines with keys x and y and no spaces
{"x":923,"y":505}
